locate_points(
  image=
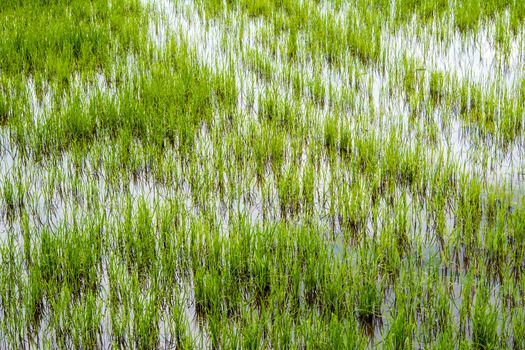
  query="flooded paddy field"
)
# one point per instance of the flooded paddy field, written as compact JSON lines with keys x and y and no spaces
{"x":262,"y":174}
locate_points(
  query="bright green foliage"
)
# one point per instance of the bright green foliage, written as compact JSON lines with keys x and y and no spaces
{"x":262,"y":174}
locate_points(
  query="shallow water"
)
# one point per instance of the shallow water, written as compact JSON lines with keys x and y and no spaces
{"x":474,"y":59}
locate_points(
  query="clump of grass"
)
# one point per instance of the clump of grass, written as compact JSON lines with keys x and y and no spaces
{"x":485,"y":334}
{"x":83,"y":38}
{"x":369,"y":296}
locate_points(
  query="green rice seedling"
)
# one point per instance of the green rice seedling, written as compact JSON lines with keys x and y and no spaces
{"x":391,"y":251}
{"x":511,"y":121}
{"x":484,"y":322}
{"x":465,"y":311}
{"x":145,"y":318}
{"x":291,"y":47}
{"x":502,"y":38}
{"x":444,"y":316}
{"x":308,"y":186}
{"x":436,"y":86}
{"x":118,"y":302}
{"x":8,"y":194}
{"x":86,"y":322}
{"x":355,"y":208}
{"x":298,"y":84}
{"x":336,"y":297}
{"x":345,"y":142}
{"x":400,"y":331}
{"x":261,"y":65}
{"x":288,"y":189}
{"x":277,"y":144}
{"x":317,"y":90}
{"x":496,"y":248}
{"x":467,"y":16}
{"x":34,"y":298}
{"x":5,"y":109}
{"x":515,"y":242}
{"x":26,"y":233}
{"x":182,"y":333}
{"x":344,"y":334}
{"x":369,"y":295}
{"x":257,"y":8}
{"x":62,"y":318}
{"x":13,"y":326}
{"x":518,"y":326}
{"x":82,"y":254}
{"x":331,"y":131}
{"x":261,"y":273}
{"x":367,"y":153}
{"x":469,"y":211}
{"x":207,"y":292}
{"x":136,"y":238}
{"x":444,"y":340}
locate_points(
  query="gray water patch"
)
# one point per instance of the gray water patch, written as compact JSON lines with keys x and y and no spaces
{"x":469,"y":57}
{"x":495,"y":165}
{"x":39,"y":107}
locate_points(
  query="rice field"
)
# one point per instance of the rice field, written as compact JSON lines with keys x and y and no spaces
{"x":244,"y":174}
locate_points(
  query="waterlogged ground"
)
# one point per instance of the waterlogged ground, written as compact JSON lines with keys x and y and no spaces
{"x":262,"y":174}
